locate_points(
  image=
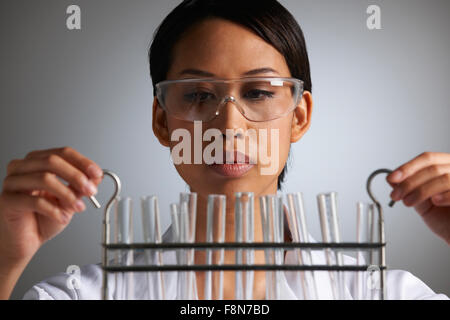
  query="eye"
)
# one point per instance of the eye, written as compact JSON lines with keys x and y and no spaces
{"x":199,"y":96}
{"x":258,"y":94}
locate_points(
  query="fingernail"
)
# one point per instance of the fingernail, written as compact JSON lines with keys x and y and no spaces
{"x":94,"y":171}
{"x":79,"y":205}
{"x":90,"y":188}
{"x":438,"y":198}
{"x":396,"y":175}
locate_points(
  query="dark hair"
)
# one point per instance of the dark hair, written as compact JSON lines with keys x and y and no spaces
{"x":266,"y":18}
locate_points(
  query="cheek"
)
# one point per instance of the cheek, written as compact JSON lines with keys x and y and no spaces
{"x":278,"y":133}
{"x":272,"y":147}
{"x":181,"y":134}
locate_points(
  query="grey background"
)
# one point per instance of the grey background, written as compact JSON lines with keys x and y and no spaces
{"x":381,"y":98}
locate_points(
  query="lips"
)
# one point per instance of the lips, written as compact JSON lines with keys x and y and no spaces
{"x":235,"y":167}
{"x":231,"y":170}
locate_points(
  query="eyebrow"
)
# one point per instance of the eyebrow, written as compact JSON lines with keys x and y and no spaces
{"x":203,"y":73}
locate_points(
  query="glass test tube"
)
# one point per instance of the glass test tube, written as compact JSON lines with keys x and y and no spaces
{"x":297,"y":222}
{"x":188,"y":215}
{"x":324,"y":214}
{"x":267,"y":252}
{"x":176,"y":236}
{"x":366,"y":226}
{"x":124,"y":234}
{"x":152,"y":234}
{"x":244,"y":232}
{"x":215,"y":233}
{"x":184,"y":278}
{"x":174,"y":215}
{"x":333,"y":220}
{"x":273,"y":231}
{"x":371,"y":227}
{"x":364,"y":229}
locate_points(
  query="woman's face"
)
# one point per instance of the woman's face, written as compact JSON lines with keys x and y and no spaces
{"x":228,"y":50}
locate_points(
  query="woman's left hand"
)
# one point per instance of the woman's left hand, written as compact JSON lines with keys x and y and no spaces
{"x":424,"y":183}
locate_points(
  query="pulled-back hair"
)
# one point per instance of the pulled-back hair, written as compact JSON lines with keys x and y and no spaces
{"x":266,"y":18}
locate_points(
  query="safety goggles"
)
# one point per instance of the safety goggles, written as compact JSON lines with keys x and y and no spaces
{"x":257,"y":99}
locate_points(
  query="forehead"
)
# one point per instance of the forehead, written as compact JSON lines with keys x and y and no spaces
{"x":226,"y":49}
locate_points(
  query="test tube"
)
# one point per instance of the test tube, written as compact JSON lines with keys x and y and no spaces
{"x":152,"y":234}
{"x":299,"y":230}
{"x":300,"y":275}
{"x":188,"y":215}
{"x":184,"y":279}
{"x":176,"y":236}
{"x":244,"y":232}
{"x":364,"y":234}
{"x":324,"y":214}
{"x":371,"y":226}
{"x":367,"y":226}
{"x":124,"y":234}
{"x":190,"y":198}
{"x":174,"y":215}
{"x":274,"y":232}
{"x":336,"y":237}
{"x":267,"y":252}
{"x":215,"y":232}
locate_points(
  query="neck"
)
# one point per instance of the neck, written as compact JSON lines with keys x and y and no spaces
{"x":201,"y":220}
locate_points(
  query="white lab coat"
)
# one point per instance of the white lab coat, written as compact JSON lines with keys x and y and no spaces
{"x":400,"y":284}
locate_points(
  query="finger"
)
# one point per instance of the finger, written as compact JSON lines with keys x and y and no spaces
{"x":41,"y":181}
{"x":55,"y":201}
{"x":67,"y":212}
{"x":55,"y":164}
{"x":40,"y":205}
{"x":423,"y":160}
{"x":79,"y":204}
{"x":392,"y":184}
{"x":427,"y":190}
{"x":86,"y":165}
{"x":423,"y":207}
{"x":442,"y":199}
{"x":421,"y":177}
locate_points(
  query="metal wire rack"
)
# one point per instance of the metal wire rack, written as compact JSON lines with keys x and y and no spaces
{"x":377,"y":248}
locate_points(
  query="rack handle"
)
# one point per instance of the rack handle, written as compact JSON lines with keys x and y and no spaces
{"x":369,"y":180}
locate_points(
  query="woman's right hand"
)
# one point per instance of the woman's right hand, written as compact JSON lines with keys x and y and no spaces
{"x":35,"y":205}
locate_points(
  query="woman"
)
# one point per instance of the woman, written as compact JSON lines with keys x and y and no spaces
{"x":218,"y":40}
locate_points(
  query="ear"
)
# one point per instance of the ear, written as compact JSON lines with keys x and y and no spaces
{"x":301,"y":119}
{"x":159,"y":123}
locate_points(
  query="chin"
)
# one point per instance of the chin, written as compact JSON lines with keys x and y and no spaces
{"x":204,"y":180}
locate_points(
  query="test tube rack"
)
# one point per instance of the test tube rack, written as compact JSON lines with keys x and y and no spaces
{"x":377,"y":248}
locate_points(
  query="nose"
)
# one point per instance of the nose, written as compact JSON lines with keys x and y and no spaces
{"x":228,"y":116}
{"x":228,"y":98}
{"x":222,"y":105}
{"x":224,"y":102}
